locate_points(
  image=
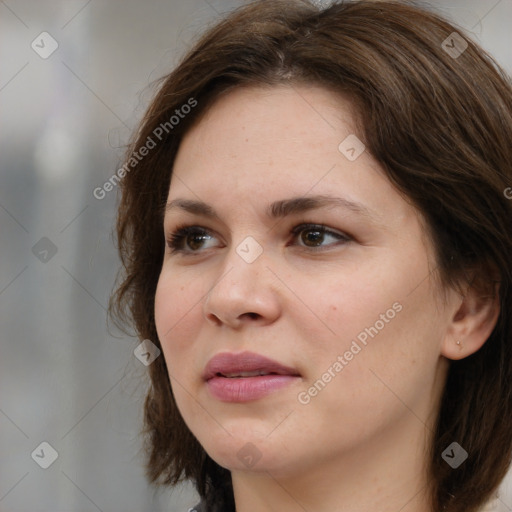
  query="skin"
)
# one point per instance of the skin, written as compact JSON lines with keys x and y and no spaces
{"x":359,"y":444}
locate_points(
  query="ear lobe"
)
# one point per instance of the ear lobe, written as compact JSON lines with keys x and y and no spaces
{"x":471,"y":325}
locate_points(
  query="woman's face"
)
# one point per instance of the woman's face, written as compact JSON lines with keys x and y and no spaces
{"x":351,"y":312}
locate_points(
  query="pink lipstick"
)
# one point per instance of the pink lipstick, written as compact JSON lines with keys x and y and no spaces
{"x":245,"y":376}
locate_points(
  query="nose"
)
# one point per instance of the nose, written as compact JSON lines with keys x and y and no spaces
{"x":243,"y":293}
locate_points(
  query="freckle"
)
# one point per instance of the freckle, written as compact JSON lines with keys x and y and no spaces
{"x":182,"y":288}
{"x":334,"y":308}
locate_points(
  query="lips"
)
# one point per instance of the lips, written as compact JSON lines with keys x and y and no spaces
{"x":244,"y":365}
{"x":246,"y":377}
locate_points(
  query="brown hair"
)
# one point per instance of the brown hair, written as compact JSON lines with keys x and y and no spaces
{"x":439,"y":124}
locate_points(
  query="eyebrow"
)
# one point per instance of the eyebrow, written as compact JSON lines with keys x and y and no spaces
{"x":280,"y":208}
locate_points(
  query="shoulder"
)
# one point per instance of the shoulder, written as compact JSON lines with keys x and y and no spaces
{"x":198,"y":508}
{"x":201,"y":507}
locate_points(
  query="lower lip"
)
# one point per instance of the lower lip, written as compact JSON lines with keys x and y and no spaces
{"x":244,"y":389}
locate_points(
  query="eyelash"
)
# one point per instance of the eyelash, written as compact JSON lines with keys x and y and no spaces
{"x":176,"y":239}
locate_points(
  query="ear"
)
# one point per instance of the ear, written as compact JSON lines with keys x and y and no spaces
{"x":472,"y":323}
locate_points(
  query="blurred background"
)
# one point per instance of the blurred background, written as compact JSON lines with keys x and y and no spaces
{"x":75,"y":78}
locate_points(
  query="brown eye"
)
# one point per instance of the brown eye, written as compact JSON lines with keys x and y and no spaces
{"x":195,"y":240}
{"x":312,"y":236}
{"x":188,"y":239}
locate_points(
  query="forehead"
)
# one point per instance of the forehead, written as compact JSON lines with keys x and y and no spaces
{"x":255,"y":146}
{"x":281,"y":121}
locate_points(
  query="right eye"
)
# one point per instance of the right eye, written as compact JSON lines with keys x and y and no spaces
{"x":188,"y":239}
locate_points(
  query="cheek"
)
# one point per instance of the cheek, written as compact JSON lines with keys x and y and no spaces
{"x":372,"y":320}
{"x":177,"y":307}
{"x":176,"y":310}
{"x":386,"y":365}
{"x":346,"y":304}
{"x":358,"y":388}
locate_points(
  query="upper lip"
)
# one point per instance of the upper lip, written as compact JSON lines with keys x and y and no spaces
{"x":229,"y":362}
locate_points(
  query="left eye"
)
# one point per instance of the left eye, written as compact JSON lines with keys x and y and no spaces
{"x":190,"y":239}
{"x":316,"y":233}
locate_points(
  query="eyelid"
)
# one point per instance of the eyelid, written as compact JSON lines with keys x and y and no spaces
{"x":180,"y":232}
{"x":303,"y":226}
{"x":183,"y":230}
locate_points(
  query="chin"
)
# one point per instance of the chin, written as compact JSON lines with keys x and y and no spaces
{"x":242,"y":451}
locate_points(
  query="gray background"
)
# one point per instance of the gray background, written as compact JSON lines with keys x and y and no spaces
{"x":64,"y":378}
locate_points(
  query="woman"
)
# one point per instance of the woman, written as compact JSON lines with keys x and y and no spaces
{"x":316,"y":233}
